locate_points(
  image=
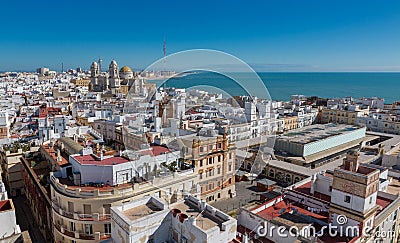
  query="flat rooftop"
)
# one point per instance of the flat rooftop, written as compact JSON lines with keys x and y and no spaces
{"x":393,"y":187}
{"x":204,"y":220}
{"x":306,"y":189}
{"x":142,"y":211}
{"x":92,"y":159}
{"x":155,"y":150}
{"x":289,"y":215}
{"x":316,"y":132}
{"x":53,"y":154}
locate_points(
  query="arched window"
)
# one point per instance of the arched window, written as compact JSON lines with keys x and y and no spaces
{"x":279,"y":176}
{"x":271,"y":173}
{"x":296,"y":179}
{"x":249,"y":166}
{"x":288,"y":178}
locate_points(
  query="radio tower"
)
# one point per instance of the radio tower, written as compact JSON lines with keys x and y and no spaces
{"x":165,"y":81}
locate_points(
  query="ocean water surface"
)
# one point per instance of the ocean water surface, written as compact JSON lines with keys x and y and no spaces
{"x":282,"y":85}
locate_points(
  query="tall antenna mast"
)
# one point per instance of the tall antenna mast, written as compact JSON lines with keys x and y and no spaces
{"x":165,"y":53}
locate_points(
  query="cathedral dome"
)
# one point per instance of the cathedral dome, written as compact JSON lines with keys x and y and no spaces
{"x":125,"y":69}
{"x":126,"y":72}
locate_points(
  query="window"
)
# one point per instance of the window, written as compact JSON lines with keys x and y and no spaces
{"x":107,"y":228}
{"x":88,"y":229}
{"x":87,"y":209}
{"x":201,"y":163}
{"x":72,"y":226}
{"x":370,"y":199}
{"x":271,"y":173}
{"x":347,"y":199}
{"x":107,"y":208}
{"x":230,"y":167}
{"x":219,"y":170}
{"x":201,"y":176}
{"x":330,"y":188}
{"x":230,"y":155}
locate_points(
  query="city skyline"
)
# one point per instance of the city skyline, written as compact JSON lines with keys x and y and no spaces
{"x":270,"y":36}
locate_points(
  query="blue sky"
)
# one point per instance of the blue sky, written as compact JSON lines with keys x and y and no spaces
{"x":269,"y":35}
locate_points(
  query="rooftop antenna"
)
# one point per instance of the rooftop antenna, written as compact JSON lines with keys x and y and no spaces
{"x":165,"y":52}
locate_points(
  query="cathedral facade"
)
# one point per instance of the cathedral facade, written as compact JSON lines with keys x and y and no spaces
{"x":119,"y":81}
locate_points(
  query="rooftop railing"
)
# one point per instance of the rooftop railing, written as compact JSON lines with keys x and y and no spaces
{"x":123,"y":189}
{"x":96,"y":236}
{"x":79,"y":216}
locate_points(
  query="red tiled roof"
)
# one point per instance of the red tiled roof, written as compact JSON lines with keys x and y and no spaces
{"x":50,"y":150}
{"x":275,"y":211}
{"x":90,"y":159}
{"x":5,"y":205}
{"x":305,"y":188}
{"x":155,"y":150}
{"x":383,"y":202}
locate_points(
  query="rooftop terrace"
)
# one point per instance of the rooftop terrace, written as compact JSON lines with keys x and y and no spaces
{"x":142,"y":210}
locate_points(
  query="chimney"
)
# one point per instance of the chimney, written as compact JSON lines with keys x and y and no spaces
{"x":312,"y":188}
{"x":192,"y":220}
{"x":351,"y":161}
{"x":203,"y":205}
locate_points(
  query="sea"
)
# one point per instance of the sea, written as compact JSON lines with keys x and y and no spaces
{"x":280,"y":86}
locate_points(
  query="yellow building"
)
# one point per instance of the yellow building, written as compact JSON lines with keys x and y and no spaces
{"x":290,"y":122}
{"x":81,"y":82}
{"x":342,"y":116}
{"x":214,"y":159}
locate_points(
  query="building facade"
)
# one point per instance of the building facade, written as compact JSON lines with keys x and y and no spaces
{"x":214,"y":160}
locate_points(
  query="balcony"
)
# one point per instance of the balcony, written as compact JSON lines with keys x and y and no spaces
{"x":81,"y":217}
{"x":124,"y":190}
{"x":96,"y":237}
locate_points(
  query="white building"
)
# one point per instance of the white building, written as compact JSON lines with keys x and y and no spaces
{"x":152,"y":220}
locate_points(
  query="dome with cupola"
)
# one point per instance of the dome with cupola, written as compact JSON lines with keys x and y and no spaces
{"x":126,"y":72}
